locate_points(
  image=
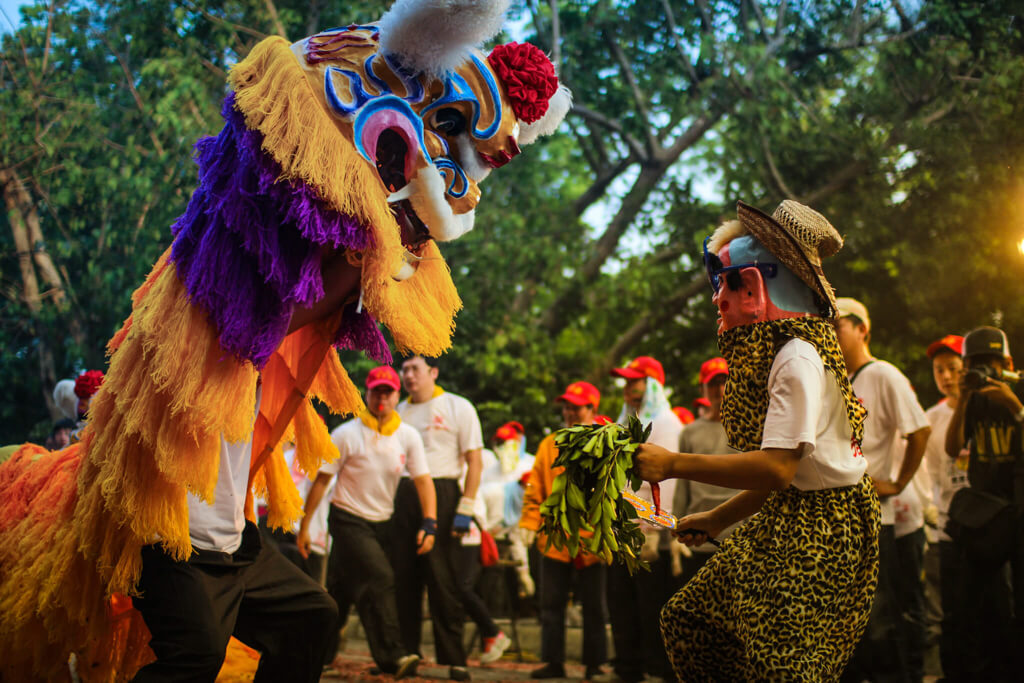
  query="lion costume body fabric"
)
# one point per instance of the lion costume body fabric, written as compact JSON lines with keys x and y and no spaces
{"x":367,"y":139}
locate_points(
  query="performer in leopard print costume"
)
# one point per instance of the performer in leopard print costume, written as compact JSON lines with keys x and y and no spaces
{"x":788,"y":595}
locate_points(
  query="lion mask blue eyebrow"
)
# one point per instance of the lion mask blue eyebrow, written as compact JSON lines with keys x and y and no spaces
{"x":786,"y":290}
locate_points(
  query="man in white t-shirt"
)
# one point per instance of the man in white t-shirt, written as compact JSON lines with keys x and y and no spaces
{"x":233,"y":584}
{"x":375,"y":448}
{"x":453,"y":442}
{"x":948,"y":476}
{"x":893,"y":645}
{"x":634,"y":602}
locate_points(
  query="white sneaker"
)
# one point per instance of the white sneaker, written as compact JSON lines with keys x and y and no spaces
{"x":494,"y":648}
{"x":407,"y":666}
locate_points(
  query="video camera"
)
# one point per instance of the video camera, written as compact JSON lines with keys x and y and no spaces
{"x":977,"y":377}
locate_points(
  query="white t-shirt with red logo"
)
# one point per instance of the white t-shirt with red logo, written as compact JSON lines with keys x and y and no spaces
{"x":370,"y":466}
{"x":806,"y":410}
{"x":893,"y":413}
{"x":449,"y":426}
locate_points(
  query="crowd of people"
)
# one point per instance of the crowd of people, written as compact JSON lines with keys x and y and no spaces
{"x":415,"y":502}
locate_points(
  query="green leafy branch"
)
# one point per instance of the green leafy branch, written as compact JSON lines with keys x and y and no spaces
{"x":585,"y":509}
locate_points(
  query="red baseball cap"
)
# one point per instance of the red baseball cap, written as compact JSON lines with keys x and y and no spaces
{"x":684,"y":415}
{"x":383,"y":374}
{"x":710,"y":369}
{"x":509,"y":431}
{"x":581,"y":394}
{"x":642,"y":366}
{"x":951,"y":342}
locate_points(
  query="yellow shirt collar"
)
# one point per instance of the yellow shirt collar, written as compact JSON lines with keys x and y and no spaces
{"x":437,"y":392}
{"x":391,"y":423}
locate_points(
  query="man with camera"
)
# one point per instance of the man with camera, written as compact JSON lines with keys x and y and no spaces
{"x":986,"y":519}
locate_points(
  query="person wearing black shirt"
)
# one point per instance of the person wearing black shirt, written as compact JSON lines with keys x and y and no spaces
{"x":989,"y":419}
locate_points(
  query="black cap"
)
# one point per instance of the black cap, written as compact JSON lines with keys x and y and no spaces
{"x":986,"y":341}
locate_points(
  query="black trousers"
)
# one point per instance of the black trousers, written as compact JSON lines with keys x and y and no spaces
{"x":193,"y":608}
{"x":953,"y":639}
{"x":881,"y":654}
{"x":909,"y":579}
{"x":555,"y":580}
{"x":361,"y":575}
{"x":992,"y":609}
{"x":437,"y":570}
{"x":634,"y":607}
{"x":469,"y":573}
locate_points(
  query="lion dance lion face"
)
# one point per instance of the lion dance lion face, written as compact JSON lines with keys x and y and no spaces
{"x":432,"y":139}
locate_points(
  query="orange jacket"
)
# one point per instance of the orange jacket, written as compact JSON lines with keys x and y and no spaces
{"x":538,"y":488}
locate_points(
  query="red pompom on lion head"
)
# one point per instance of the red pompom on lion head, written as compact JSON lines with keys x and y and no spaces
{"x":88,"y":383}
{"x":529,"y":78}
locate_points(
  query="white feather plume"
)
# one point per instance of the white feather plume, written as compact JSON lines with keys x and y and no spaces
{"x":558,"y":106}
{"x":434,"y":36}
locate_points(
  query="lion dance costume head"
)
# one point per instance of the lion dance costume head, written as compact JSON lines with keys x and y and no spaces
{"x":372,"y":140}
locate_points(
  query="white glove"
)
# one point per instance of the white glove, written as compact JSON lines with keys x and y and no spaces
{"x":528,"y":536}
{"x":526,"y":585}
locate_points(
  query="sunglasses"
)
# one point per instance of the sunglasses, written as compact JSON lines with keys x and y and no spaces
{"x":715,"y":270}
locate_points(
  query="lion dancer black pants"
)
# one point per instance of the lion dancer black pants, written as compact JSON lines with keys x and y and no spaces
{"x":256,"y":595}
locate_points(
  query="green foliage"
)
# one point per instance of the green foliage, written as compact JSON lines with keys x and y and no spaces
{"x":586,"y":509}
{"x":899,"y":123}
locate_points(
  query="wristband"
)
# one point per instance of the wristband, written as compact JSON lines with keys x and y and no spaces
{"x":1019,"y":417}
{"x":429,"y":526}
{"x":465,"y":506}
{"x":461,"y":523}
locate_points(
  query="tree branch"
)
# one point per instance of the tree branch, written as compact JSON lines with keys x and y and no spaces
{"x":587,"y":149}
{"x":635,"y":148}
{"x":780,"y":20}
{"x":634,"y":88}
{"x":673,"y":31}
{"x":600,"y":185}
{"x":690,"y":136}
{"x":313,"y":16}
{"x":234,"y":27}
{"x":759,"y":15}
{"x":553,"y":319}
{"x":649,"y":320}
{"x":49,"y":35}
{"x":135,"y":94}
{"x":274,"y":19}
{"x":776,"y":176}
{"x":837,"y":182}
{"x":556,"y":37}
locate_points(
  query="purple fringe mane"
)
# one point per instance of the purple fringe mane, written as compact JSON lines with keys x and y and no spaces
{"x":247,"y":247}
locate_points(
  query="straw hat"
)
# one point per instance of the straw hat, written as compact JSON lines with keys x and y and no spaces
{"x":799,"y":237}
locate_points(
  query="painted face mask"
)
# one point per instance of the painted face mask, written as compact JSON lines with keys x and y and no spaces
{"x":750,"y":285}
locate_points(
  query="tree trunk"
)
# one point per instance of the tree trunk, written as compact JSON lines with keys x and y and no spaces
{"x":28,"y":241}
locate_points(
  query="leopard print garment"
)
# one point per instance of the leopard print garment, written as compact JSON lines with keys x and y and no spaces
{"x":787,"y":596}
{"x":750,"y":351}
